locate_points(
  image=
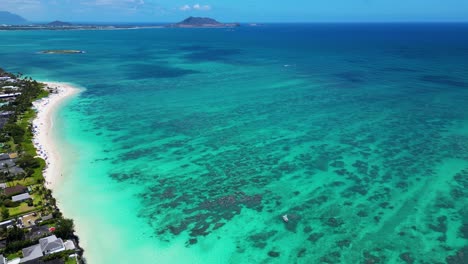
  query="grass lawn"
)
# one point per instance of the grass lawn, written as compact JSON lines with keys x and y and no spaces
{"x":27,"y":145}
{"x":25,"y":208}
{"x":15,"y":255}
{"x":26,"y":182}
{"x":22,"y":209}
{"x":71,"y":261}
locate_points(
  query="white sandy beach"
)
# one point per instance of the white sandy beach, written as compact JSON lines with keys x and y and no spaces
{"x":43,"y":125}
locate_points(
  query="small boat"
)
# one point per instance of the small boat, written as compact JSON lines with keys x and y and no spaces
{"x":285,"y":218}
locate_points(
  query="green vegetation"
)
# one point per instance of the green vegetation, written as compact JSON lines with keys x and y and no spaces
{"x":58,"y":255}
{"x":14,"y":255}
{"x":14,"y":234}
{"x":16,"y":138}
{"x":70,"y":261}
{"x":15,"y":246}
{"x":65,"y":228}
{"x":5,"y":213}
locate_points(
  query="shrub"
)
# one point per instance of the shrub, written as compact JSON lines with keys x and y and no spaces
{"x":10,"y":203}
{"x":58,"y":255}
{"x":64,"y":228}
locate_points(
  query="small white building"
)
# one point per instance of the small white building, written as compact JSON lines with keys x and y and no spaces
{"x":69,"y":245}
{"x":6,"y":223}
{"x":9,"y":95}
{"x":21,"y":197}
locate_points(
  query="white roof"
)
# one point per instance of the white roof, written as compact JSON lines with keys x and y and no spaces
{"x":15,"y":261}
{"x":69,"y":245}
{"x":20,"y":197}
{"x":7,"y":222}
{"x":9,"y":95}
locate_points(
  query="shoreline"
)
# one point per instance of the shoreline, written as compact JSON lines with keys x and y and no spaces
{"x":46,"y":109}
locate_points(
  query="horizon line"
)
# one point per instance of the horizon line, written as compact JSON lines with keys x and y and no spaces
{"x":277,"y":22}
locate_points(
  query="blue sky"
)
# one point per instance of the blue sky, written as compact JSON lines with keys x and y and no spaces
{"x":240,"y":10}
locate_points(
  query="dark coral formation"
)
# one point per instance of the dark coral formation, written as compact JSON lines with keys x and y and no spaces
{"x":367,"y":168}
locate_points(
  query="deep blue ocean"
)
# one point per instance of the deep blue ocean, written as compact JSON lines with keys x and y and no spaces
{"x":189,"y":145}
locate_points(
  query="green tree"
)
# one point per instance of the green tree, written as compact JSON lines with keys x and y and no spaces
{"x":65,"y":228}
{"x":14,"y":234}
{"x":5,"y":213}
{"x":15,"y":131}
{"x":28,"y":161}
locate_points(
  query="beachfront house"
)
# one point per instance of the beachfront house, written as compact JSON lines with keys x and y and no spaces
{"x":47,"y":245}
{"x":14,"y":190}
{"x":7,"y":163}
{"x":20,"y":197}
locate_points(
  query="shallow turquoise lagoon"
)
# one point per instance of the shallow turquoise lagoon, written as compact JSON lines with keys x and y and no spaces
{"x":189,"y":145}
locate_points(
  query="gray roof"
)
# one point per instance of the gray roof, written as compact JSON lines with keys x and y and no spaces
{"x":6,"y":161}
{"x":32,"y":252}
{"x":46,"y":240}
{"x":37,"y":232}
{"x":13,"y":169}
{"x":51,"y":243}
{"x":54,"y":245}
{"x":20,"y":197}
{"x":4,"y":156}
{"x":2,"y":260}
{"x":46,"y":245}
{"x":47,"y":217}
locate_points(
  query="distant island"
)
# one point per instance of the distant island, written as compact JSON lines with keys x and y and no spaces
{"x":201,"y":22}
{"x":62,"y":52}
{"x":7,"y":18}
{"x":191,"y":22}
{"x":59,"y":24}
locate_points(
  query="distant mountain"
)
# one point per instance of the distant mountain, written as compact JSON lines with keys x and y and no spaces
{"x":201,"y":22}
{"x":11,"y":19}
{"x":59,"y":24}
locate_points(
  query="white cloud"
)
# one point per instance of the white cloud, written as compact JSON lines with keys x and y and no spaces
{"x":201,"y":7}
{"x":185,"y":8}
{"x":197,"y":7}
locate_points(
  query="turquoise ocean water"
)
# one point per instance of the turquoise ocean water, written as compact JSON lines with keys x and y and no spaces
{"x":188,"y":145}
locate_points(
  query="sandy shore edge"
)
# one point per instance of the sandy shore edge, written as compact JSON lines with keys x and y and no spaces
{"x":43,"y":124}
